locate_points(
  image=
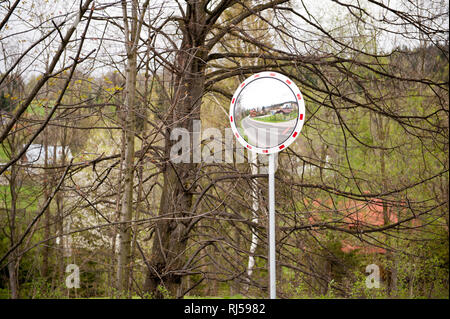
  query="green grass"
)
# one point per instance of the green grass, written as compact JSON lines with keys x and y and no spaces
{"x":277,"y":117}
{"x":241,"y":131}
{"x":37,"y":108}
{"x":3,"y":155}
{"x":4,"y":293}
{"x":27,"y":197}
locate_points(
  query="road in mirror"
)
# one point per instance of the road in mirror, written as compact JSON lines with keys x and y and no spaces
{"x":266,"y":112}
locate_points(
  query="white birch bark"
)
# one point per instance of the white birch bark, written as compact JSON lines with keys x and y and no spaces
{"x":255,"y":207}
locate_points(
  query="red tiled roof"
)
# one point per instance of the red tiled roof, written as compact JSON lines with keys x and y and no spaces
{"x":365,"y":249}
{"x":368,"y":214}
{"x":361,"y":214}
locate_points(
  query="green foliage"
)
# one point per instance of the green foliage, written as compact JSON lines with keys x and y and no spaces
{"x":5,"y":103}
{"x":164,"y":292}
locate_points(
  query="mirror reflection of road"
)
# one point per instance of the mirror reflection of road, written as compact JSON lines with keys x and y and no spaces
{"x":267,"y":134}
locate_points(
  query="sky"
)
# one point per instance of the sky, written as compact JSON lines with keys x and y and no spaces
{"x":264,"y":92}
{"x":34,"y":17}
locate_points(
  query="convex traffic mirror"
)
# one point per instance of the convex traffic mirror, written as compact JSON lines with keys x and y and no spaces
{"x":267,"y":112}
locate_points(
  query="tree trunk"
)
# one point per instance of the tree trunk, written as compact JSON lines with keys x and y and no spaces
{"x":123,"y":266}
{"x":47,"y":214}
{"x":255,"y":208}
{"x":131,"y":44}
{"x":170,"y":238}
{"x":13,"y":262}
{"x":381,"y":134}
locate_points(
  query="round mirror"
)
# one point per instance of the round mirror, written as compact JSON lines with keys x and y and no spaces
{"x":267,"y":112}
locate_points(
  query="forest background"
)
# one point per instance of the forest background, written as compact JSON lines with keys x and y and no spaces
{"x":90,"y":92}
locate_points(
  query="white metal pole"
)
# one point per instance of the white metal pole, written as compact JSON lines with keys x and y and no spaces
{"x":272,"y":269}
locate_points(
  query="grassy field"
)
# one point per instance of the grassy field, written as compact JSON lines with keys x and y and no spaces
{"x":277,"y":117}
{"x":241,"y":131}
